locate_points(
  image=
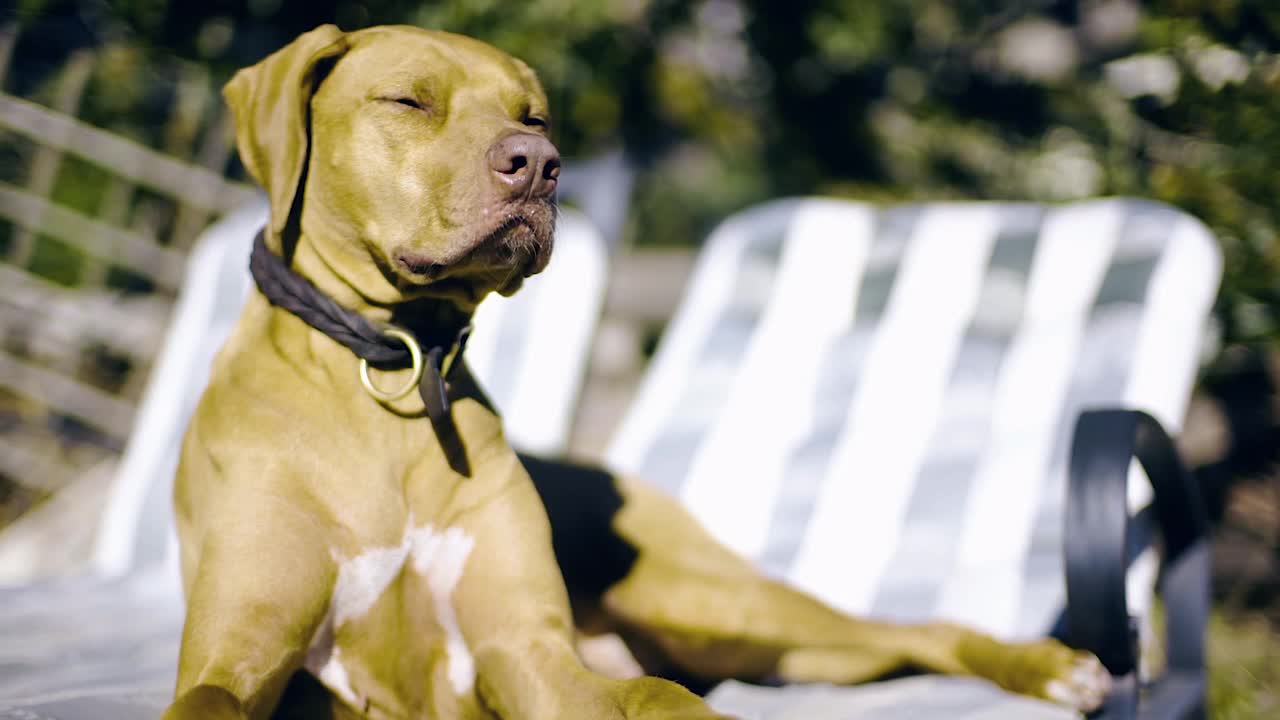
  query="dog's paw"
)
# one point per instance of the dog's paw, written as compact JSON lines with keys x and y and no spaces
{"x":1085,"y":686}
{"x":1045,"y":669}
{"x":205,"y":702}
{"x":650,"y":698}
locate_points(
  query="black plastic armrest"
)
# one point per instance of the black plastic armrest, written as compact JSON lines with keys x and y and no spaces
{"x":1098,"y":542}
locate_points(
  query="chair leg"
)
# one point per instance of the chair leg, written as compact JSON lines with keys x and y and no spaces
{"x":1122,"y":703}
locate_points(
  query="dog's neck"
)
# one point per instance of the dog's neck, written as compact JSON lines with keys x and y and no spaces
{"x":345,"y":273}
{"x":350,"y":275}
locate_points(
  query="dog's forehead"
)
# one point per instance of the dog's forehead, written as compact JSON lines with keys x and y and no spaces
{"x":410,"y":54}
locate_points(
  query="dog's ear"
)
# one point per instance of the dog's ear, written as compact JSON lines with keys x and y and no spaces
{"x":271,"y":102}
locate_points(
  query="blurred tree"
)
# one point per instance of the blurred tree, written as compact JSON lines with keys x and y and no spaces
{"x":723,"y":103}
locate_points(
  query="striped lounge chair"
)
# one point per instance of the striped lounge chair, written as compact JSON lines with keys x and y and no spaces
{"x":930,"y":412}
{"x":104,"y":646}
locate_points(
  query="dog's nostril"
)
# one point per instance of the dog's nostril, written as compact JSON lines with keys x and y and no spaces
{"x":517,"y":163}
{"x":551,"y":170}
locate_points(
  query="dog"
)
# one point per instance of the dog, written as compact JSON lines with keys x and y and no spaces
{"x":415,"y":566}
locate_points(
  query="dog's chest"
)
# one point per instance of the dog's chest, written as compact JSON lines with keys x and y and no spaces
{"x":392,"y":613}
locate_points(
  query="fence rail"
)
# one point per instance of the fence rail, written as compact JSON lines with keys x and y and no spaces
{"x":192,"y":184}
{"x":134,"y":250}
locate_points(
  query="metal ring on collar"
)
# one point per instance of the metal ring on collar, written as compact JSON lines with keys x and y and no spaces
{"x":415,"y":352}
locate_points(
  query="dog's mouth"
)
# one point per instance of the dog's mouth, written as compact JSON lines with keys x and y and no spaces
{"x":500,"y":252}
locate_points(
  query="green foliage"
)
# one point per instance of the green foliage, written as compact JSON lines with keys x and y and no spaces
{"x":724,"y":103}
{"x":728,"y":103}
{"x":56,"y":261}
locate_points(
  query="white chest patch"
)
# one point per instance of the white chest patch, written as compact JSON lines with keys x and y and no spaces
{"x":438,"y":556}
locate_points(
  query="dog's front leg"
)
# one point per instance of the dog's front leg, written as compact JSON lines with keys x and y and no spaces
{"x":511,"y":603}
{"x":261,"y":586}
{"x":513,"y":610}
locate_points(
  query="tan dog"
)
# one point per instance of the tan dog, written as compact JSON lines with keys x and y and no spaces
{"x":410,"y":174}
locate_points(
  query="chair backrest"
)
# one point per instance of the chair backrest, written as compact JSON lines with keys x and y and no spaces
{"x":529,"y":351}
{"x":875,"y":403}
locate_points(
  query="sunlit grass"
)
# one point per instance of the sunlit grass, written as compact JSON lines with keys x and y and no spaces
{"x":1244,"y":667}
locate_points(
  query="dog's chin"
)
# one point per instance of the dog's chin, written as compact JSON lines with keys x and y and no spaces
{"x":496,"y":256}
{"x":459,"y":291}
{"x":518,"y":241}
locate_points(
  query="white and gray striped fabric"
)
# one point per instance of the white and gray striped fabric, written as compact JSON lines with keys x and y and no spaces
{"x":105,"y":645}
{"x":876,"y":404}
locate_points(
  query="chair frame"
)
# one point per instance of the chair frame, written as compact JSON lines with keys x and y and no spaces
{"x":1102,"y":537}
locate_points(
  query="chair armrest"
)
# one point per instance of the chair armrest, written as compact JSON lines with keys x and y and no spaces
{"x":1097,"y":542}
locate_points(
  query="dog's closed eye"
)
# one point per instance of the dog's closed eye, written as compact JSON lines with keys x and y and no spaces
{"x":528,"y":119}
{"x":407,"y":101}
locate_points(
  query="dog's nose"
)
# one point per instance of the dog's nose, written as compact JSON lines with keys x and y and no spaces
{"x":525,"y":165}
